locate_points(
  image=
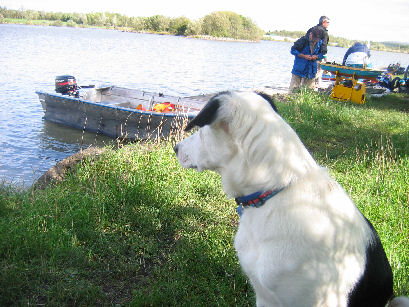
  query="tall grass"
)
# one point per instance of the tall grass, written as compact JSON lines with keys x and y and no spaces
{"x":134,"y":228}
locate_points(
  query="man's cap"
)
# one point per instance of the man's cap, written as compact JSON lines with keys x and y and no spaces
{"x":323,"y":18}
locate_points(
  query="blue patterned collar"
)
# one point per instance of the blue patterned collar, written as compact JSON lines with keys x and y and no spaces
{"x":255,"y":200}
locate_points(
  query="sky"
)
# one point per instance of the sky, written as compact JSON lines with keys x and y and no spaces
{"x":375,"y":20}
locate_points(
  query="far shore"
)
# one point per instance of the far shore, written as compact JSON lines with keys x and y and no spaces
{"x":274,"y":38}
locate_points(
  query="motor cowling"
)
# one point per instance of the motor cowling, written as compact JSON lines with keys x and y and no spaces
{"x":66,"y":85}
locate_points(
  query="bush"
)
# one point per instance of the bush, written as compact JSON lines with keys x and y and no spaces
{"x":57,"y":23}
{"x":71,"y":23}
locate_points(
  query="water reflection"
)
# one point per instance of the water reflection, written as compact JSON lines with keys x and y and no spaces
{"x":60,"y":138}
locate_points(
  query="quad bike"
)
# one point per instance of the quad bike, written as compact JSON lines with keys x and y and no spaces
{"x":403,"y":85}
{"x":396,"y":69}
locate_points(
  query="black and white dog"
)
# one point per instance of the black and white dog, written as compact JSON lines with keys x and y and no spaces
{"x":301,"y":240}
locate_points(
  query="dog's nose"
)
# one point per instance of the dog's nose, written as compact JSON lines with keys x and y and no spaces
{"x":176,"y":148}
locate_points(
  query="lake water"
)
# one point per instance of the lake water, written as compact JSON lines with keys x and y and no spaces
{"x":32,"y":56}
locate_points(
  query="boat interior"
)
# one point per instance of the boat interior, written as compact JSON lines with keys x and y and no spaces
{"x":140,"y":100}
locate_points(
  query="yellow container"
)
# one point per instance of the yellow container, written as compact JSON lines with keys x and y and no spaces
{"x":348,"y":89}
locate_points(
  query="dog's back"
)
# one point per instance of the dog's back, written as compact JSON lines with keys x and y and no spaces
{"x":376,"y":283}
{"x":310,"y":246}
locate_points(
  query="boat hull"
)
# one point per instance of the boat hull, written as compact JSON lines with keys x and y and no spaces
{"x":360,"y":73}
{"x":113,"y":121}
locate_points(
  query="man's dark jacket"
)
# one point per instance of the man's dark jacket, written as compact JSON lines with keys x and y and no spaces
{"x":324,"y":35}
{"x":302,"y":67}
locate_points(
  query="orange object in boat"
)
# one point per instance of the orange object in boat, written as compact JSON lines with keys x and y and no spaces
{"x":164,"y":107}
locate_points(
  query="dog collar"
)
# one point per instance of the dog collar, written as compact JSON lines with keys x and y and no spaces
{"x":255,"y":200}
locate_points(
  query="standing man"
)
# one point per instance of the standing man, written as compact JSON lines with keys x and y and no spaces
{"x":307,"y":51}
{"x":323,"y":24}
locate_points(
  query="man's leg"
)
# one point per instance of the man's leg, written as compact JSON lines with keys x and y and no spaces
{"x":295,"y":83}
{"x":310,"y":83}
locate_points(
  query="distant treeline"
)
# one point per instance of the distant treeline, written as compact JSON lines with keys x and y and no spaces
{"x":222,"y":24}
{"x":218,"y":24}
{"x":343,"y":42}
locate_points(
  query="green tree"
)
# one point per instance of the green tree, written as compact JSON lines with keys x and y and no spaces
{"x":230,"y":24}
{"x":216,"y":24}
{"x":79,"y":18}
{"x":65,"y":17}
{"x":158,"y":23}
{"x":179,"y":26}
{"x":194,"y":28}
{"x":95,"y":19}
{"x":123,"y":21}
{"x":138,"y":23}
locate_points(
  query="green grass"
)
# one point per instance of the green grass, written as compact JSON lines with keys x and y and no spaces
{"x":28,"y":21}
{"x":134,"y":228}
{"x":43,"y":22}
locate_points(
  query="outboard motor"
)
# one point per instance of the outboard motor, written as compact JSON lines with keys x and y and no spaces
{"x":66,"y":85}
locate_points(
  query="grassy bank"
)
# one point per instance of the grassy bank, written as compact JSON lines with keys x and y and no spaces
{"x":133,"y":227}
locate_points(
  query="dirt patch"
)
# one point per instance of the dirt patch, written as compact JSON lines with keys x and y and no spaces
{"x":58,"y":172}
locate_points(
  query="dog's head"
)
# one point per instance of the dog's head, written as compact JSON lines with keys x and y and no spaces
{"x":241,"y":137}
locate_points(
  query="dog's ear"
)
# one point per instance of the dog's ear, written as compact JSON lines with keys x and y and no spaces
{"x":208,"y":114}
{"x":269,"y":98}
